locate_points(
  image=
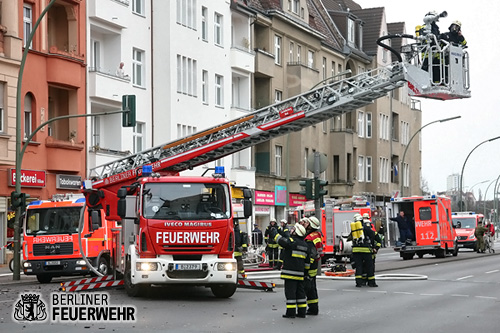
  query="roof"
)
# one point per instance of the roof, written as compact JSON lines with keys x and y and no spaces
{"x":372,"y":28}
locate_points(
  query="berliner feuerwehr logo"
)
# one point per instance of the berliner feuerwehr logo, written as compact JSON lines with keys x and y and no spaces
{"x":30,"y":308}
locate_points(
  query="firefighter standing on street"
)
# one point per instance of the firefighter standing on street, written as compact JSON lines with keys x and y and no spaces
{"x":378,"y":242}
{"x":363,"y":246}
{"x":241,"y":245}
{"x":272,"y":246}
{"x":294,"y":264}
{"x":314,"y":243}
{"x":286,"y":233}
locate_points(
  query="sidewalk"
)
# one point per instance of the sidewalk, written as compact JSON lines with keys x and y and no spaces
{"x":6,"y":277}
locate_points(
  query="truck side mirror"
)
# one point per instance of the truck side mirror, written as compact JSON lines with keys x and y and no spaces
{"x":247,"y":193}
{"x":96,"y":219}
{"x":247,"y":208}
{"x":121,"y":207}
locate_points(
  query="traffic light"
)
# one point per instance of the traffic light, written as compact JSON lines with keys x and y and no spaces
{"x":307,"y":189}
{"x":320,"y":190}
{"x":15,"y":199}
{"x":23,"y":197}
{"x":128,"y":105}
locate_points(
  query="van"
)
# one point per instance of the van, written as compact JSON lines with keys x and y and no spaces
{"x":465,"y":224}
{"x":431,"y":226}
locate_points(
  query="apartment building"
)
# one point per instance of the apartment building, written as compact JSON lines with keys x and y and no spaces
{"x":119,"y":63}
{"x":53,"y":85}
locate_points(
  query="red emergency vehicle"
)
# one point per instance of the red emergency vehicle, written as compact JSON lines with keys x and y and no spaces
{"x":51,"y":239}
{"x":431,"y":225}
{"x":465,"y":224}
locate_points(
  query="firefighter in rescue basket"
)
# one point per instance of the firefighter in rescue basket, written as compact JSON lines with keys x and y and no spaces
{"x":365,"y":242}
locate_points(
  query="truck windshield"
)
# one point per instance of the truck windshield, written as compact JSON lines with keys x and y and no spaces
{"x":50,"y":221}
{"x":464,"y":222}
{"x":186,"y":201}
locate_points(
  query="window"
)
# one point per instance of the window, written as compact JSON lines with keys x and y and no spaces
{"x":138,"y":67}
{"x":406,"y":178}
{"x":306,"y":154}
{"x":310,"y":59}
{"x":325,"y":127}
{"x":278,"y":96}
{"x":368,"y":169}
{"x":405,"y":133}
{"x":383,"y":170}
{"x":350,"y":32}
{"x":185,"y":130}
{"x":278,"y":156}
{"x":384,"y":127}
{"x":277,"y":50}
{"x":299,"y":51}
{"x":27,"y":116}
{"x":333,"y":68}
{"x":138,"y":7}
{"x":186,"y":13}
{"x":361,"y":168}
{"x":368,"y":124}
{"x":204,"y":86}
{"x":219,"y":81}
{"x":218,"y":29}
{"x":324,"y":68}
{"x":2,"y":113}
{"x":96,"y":131}
{"x":95,"y":60}
{"x":138,"y":137}
{"x":27,"y":22}
{"x":290,"y":56}
{"x":361,"y":124}
{"x":295,"y":6}
{"x":204,"y":24}
{"x":186,"y":76}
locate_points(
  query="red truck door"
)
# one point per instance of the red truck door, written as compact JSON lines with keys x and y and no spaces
{"x":426,"y":223}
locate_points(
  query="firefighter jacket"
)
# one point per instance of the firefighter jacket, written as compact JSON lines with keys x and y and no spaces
{"x":285,"y":231}
{"x":240,"y":242}
{"x":295,"y":256}
{"x":315,"y":248}
{"x":369,"y":243}
{"x":268,"y":238}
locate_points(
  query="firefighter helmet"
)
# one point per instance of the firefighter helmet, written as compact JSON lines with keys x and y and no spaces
{"x":366,"y":216}
{"x":272,"y":220}
{"x":457,"y":22}
{"x":358,"y":217}
{"x":283,"y":221}
{"x":314,"y":222}
{"x":300,"y":230}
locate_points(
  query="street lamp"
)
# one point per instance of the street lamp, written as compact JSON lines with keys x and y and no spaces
{"x":17,"y":237}
{"x":408,"y":145}
{"x":486,"y":192}
{"x":461,"y":206}
{"x":484,"y":181}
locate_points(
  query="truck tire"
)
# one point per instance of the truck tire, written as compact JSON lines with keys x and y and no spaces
{"x":133,"y":290}
{"x":440,"y":253}
{"x":420,"y":254}
{"x":223,"y":290}
{"x":44,"y":278}
{"x":103,"y":266}
{"x":407,"y":256}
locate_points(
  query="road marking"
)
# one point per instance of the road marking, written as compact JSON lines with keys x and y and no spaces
{"x":458,"y":295}
{"x":493,"y":271}
{"x":9,"y":300}
{"x":465,"y":277}
{"x":403,"y":292}
{"x":6,"y":274}
{"x":431,"y":294}
{"x":351,"y":290}
{"x":378,"y":291}
{"x":486,"y":297}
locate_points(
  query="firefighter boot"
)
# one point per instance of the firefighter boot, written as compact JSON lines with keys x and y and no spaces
{"x":301,"y":313}
{"x":290,"y":313}
{"x":313,"y":309}
{"x":371,"y":283}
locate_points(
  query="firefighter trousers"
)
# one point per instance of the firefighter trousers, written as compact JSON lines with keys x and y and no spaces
{"x":312,"y":296}
{"x":295,"y":295}
{"x":364,"y":262}
{"x":273,"y":255}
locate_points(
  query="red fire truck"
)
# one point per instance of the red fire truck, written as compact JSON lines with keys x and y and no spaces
{"x":51,"y":238}
{"x":184,"y":245}
{"x":432,"y":226}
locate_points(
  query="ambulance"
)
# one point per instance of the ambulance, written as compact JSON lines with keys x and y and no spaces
{"x":465,"y":224}
{"x":431,"y":226}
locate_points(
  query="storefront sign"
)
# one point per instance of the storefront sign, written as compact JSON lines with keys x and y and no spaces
{"x":264,"y":198}
{"x":296,"y":199}
{"x":280,"y":195}
{"x":29,"y":178}
{"x":68,"y":182}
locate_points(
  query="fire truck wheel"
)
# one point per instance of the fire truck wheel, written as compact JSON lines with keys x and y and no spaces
{"x":420,"y":255}
{"x":44,"y":278}
{"x":133,"y":290}
{"x":103,"y":266}
{"x":440,"y":253}
{"x":223,"y":290}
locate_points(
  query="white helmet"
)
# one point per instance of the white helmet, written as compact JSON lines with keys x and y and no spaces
{"x":314,"y":222}
{"x":366,"y":216}
{"x":358,"y":217}
{"x":272,"y":220}
{"x":457,"y":22}
{"x":283,"y":221}
{"x":300,"y":230}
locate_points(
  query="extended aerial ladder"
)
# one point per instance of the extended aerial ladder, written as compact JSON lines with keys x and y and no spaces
{"x":321,"y":103}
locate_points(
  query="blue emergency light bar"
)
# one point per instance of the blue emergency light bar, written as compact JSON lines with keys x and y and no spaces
{"x":147,"y":170}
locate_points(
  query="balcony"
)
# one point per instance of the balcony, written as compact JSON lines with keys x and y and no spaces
{"x":300,"y":77}
{"x":264,"y":64}
{"x":114,"y":12}
{"x":107,"y":86}
{"x":242,"y":59}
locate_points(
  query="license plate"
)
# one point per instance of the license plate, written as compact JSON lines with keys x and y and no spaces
{"x":187,"y":267}
{"x":51,"y":263}
{"x":460,"y":245}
